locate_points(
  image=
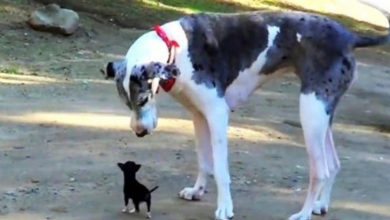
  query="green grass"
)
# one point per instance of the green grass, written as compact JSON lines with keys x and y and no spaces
{"x":205,"y":5}
{"x":11,"y":70}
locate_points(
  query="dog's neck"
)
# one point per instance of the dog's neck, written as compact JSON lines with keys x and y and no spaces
{"x":130,"y":180}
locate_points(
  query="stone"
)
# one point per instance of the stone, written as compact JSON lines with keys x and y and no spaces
{"x":52,"y":18}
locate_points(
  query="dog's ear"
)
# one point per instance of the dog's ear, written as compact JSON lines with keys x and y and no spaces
{"x":115,"y":69}
{"x":120,"y":165}
{"x":137,"y":167}
{"x":109,"y":71}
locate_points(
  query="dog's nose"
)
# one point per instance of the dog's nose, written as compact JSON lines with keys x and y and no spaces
{"x":142,"y":134}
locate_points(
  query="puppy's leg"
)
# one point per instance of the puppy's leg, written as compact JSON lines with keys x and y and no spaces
{"x":205,"y":160}
{"x":148,"y":204}
{"x":126,"y":199}
{"x":315,"y":123}
{"x":136,"y":207}
{"x":218,"y":120}
{"x":322,"y":205}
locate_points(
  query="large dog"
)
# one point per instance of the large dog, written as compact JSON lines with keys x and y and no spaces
{"x":212,"y":62}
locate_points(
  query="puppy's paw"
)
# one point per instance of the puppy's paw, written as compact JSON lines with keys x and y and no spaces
{"x":125,"y":209}
{"x":191,"y":194}
{"x":133,"y":211}
{"x":148,"y":215}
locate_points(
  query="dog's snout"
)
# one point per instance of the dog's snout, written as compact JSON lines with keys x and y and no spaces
{"x":142,"y":134}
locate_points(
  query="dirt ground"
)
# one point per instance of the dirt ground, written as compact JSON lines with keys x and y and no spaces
{"x":63,"y":129}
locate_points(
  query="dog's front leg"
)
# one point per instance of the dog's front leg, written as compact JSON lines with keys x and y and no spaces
{"x":205,"y":160}
{"x":218,"y":119}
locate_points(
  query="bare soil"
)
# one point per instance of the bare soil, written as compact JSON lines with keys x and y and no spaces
{"x":63,"y":129}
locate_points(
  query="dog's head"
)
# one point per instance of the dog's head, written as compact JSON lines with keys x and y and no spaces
{"x":129,"y":169}
{"x":137,"y":86}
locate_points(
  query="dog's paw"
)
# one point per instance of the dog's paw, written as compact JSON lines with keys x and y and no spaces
{"x":224,"y":213}
{"x":133,"y":211}
{"x":225,"y":210}
{"x":320,"y":208}
{"x":125,"y":209}
{"x":191,"y":194}
{"x":148,"y":215}
{"x":301,"y":216}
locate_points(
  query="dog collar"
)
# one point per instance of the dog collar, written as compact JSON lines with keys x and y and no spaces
{"x":167,"y":84}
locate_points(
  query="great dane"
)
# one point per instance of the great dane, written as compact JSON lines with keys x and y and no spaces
{"x":212,"y":62}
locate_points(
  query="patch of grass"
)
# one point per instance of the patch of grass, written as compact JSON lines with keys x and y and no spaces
{"x":195,"y":6}
{"x":11,"y":70}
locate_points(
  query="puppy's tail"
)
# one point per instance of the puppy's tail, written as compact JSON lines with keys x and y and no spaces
{"x":153,"y":189}
{"x":365,"y":41}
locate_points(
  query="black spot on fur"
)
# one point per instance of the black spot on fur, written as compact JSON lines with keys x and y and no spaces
{"x":224,"y":45}
{"x":346,"y":63}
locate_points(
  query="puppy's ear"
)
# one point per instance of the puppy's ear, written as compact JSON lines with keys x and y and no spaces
{"x":137,"y":167}
{"x":120,"y":165}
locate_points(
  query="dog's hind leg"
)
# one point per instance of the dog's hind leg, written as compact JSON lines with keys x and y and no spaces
{"x":205,"y":160}
{"x":148,"y":204}
{"x":315,"y":123}
{"x":136,"y":207}
{"x":322,"y":205}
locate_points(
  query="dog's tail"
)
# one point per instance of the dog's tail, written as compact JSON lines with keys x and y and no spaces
{"x":153,"y":189}
{"x":365,"y":41}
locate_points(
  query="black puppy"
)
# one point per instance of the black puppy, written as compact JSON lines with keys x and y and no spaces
{"x":134,"y":190}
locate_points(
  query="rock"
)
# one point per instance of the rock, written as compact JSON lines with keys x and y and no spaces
{"x":10,"y":193}
{"x":52,"y":18}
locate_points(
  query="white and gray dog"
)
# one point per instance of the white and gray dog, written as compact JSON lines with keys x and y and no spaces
{"x":212,"y":62}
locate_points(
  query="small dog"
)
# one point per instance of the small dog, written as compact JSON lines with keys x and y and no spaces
{"x":134,"y":190}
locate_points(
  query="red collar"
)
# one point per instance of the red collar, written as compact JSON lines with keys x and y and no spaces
{"x":167,"y":85}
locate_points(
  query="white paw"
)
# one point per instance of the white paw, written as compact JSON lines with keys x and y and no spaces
{"x":132,"y":211}
{"x":125,"y":209}
{"x":224,"y":211}
{"x":320,"y":208}
{"x":148,"y":215}
{"x":191,"y":193}
{"x":301,"y":216}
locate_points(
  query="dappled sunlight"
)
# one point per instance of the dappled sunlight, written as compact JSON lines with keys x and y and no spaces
{"x":28,"y":216}
{"x":364,"y":64}
{"x":114,"y":122}
{"x":270,"y":134}
{"x":354,"y":128}
{"x":372,"y":208}
{"x":6,"y":78}
{"x":11,"y":9}
{"x":371,"y":157}
{"x":164,"y":6}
